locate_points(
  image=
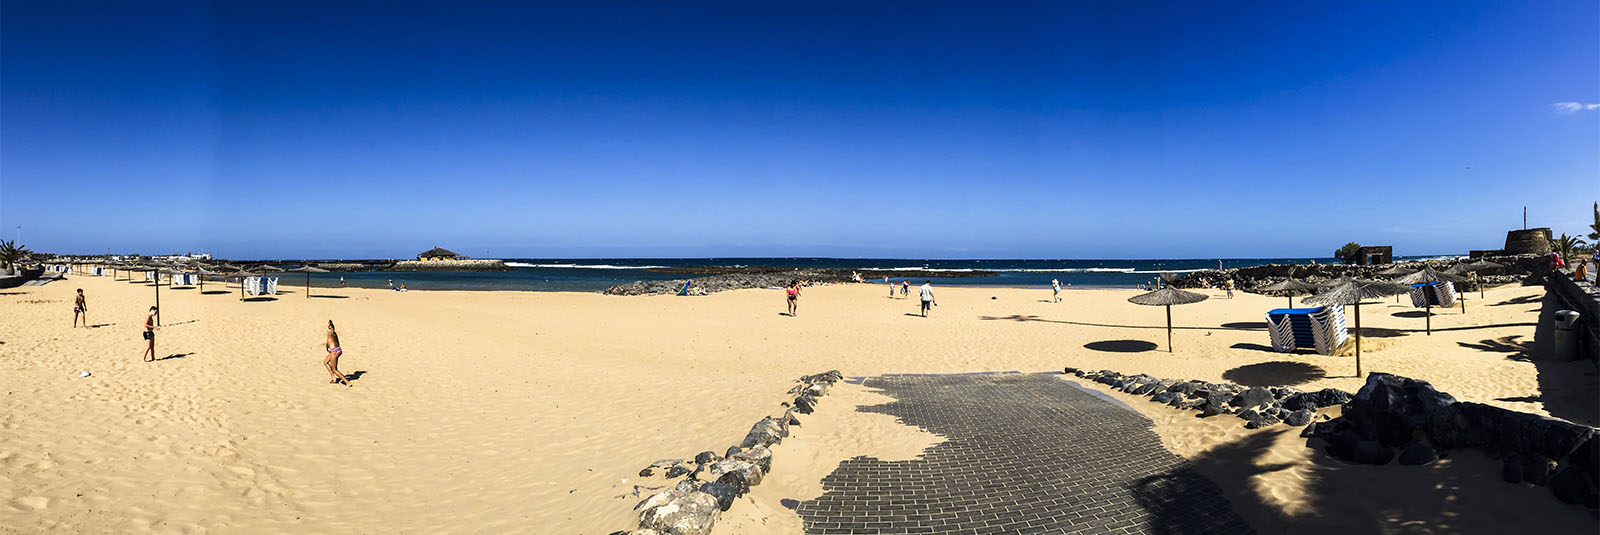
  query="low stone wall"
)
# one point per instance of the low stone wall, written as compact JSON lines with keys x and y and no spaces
{"x":1584,"y":298}
{"x":1257,"y":406}
{"x":1394,"y":416}
{"x":449,"y":265}
{"x":693,"y":504}
{"x":1517,"y":269}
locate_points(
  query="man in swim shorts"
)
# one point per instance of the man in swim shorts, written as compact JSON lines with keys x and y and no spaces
{"x":927,"y":297}
{"x":80,"y":308}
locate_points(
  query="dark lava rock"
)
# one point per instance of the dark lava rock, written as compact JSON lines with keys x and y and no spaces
{"x":1213,"y":408}
{"x":1183,"y":387}
{"x":758,"y":455}
{"x":682,"y":510}
{"x":1165,"y":397}
{"x":706,"y":457}
{"x":1261,"y":422}
{"x":1503,"y":431}
{"x":1326,"y":397}
{"x":1511,"y":469}
{"x":1298,"y":418}
{"x":1587,"y":458}
{"x":766,"y":432}
{"x":678,"y":470}
{"x":1393,"y":409}
{"x":1418,"y":453}
{"x":789,"y":415}
{"x":1248,"y":414}
{"x":1537,"y":470}
{"x":1373,"y":452}
{"x":1070,"y":371}
{"x":805,"y":404}
{"x":1569,"y":485}
{"x":732,"y":450}
{"x":724,"y":493}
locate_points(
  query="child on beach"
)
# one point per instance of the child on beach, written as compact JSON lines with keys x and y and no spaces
{"x":150,"y":329}
{"x":891,"y":287}
{"x":1229,"y":287}
{"x":927,"y":297}
{"x":1055,"y":289}
{"x":80,"y":308}
{"x":332,"y":360}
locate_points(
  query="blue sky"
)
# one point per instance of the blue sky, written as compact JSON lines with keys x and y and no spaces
{"x":976,"y":130}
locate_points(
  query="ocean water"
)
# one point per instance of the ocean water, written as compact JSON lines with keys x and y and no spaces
{"x":596,"y":274}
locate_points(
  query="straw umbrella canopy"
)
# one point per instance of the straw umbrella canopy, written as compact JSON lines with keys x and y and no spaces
{"x":1350,"y":291}
{"x":1289,"y":286}
{"x":202,"y":272}
{"x":308,"y":269}
{"x":1167,"y":297}
{"x":159,"y":272}
{"x":1396,"y":271}
{"x":1428,"y":275}
{"x":269,"y":269}
{"x":1477,"y":266}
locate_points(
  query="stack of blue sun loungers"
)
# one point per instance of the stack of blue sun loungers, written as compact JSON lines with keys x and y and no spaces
{"x":1439,"y":294}
{"x":1321,"y":329}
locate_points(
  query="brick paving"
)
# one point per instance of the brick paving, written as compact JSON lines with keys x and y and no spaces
{"x":1025,"y":453}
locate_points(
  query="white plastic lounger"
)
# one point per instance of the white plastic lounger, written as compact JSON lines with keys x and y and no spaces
{"x":1439,"y":294}
{"x":1321,"y":329}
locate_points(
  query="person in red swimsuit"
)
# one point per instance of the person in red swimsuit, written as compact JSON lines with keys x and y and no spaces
{"x":794,"y":297}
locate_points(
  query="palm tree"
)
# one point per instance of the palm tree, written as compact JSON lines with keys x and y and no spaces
{"x":1348,"y":252}
{"x":11,"y":254}
{"x":1564,"y":245}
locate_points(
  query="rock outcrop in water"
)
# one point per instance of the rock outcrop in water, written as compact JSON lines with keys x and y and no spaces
{"x":1517,"y":269}
{"x":731,"y":278}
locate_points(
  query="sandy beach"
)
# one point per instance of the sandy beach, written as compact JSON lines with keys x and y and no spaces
{"x":533,"y":412}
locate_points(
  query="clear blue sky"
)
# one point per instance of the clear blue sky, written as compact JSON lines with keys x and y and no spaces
{"x":1048,"y":130}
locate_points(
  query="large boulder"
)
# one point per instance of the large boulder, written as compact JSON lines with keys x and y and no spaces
{"x":1254,"y":397}
{"x":757,"y":455}
{"x":1326,"y":397}
{"x":681,"y":510}
{"x":741,"y":475}
{"x":723,"y":492}
{"x":1502,"y":431}
{"x":1569,"y":485}
{"x":1417,"y":453}
{"x":663,"y":464}
{"x":766,"y":432}
{"x":1394,"y":410}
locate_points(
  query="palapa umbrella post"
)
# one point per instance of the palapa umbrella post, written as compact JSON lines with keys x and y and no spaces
{"x":308,"y":269}
{"x":1167,"y":296}
{"x":1348,"y":291}
{"x":1428,"y":276}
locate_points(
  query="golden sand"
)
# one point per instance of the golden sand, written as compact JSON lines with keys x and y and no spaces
{"x":533,"y":412}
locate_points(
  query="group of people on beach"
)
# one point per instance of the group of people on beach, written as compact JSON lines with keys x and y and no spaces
{"x":926,"y":293}
{"x":80,"y":311}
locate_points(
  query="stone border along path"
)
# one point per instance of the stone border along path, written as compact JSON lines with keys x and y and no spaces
{"x":1024,"y":453}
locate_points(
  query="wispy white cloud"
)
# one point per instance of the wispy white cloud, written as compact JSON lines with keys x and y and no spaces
{"x":1569,"y":108}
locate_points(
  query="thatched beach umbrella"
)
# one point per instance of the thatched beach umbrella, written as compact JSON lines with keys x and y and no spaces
{"x":268,"y":269}
{"x":1480,"y":265}
{"x":1167,"y":297}
{"x":1429,"y":275}
{"x":1396,"y":271}
{"x":242,"y":274}
{"x":202,"y":272}
{"x":159,"y":272}
{"x":1350,"y":291}
{"x":308,"y":269}
{"x":1289,"y":286}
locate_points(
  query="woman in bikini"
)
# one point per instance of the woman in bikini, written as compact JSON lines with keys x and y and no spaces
{"x":794,"y":296}
{"x":332,"y":360}
{"x":150,"y":329}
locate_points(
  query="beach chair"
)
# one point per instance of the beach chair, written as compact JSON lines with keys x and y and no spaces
{"x":1321,"y":329}
{"x":1439,"y":294}
{"x":270,"y":285}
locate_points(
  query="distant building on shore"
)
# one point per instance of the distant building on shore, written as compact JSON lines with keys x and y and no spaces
{"x":1374,"y":254}
{"x":436,"y":255}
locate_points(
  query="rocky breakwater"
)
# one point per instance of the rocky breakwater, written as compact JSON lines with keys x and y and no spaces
{"x":1257,"y":406}
{"x":1396,"y":418}
{"x":721,"y":278}
{"x":1518,"y":269}
{"x":449,"y":265}
{"x":711,"y":483}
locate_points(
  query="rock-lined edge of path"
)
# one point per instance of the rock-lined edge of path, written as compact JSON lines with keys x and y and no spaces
{"x":1393,"y":414}
{"x":693,"y":505}
{"x":1257,"y":406}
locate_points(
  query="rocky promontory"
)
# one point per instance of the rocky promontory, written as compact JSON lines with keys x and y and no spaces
{"x":1517,"y":268}
{"x":450,"y":265}
{"x":721,"y":278}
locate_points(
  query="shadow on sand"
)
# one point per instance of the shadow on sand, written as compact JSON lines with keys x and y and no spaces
{"x":1276,"y":373}
{"x":315,"y":296}
{"x":174,"y":356}
{"x":215,"y":292}
{"x":259,"y":299}
{"x":1121,"y":346}
{"x":1246,"y":325}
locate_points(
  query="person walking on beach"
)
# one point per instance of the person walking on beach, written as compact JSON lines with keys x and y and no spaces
{"x":890,"y":285}
{"x":150,"y":329}
{"x":794,"y":297}
{"x":1055,"y":289}
{"x":332,"y":360}
{"x":927,"y":297}
{"x":80,"y":308}
{"x":905,"y":288}
{"x":1229,"y":287}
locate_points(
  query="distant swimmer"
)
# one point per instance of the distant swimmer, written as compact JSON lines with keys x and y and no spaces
{"x":331,"y":361}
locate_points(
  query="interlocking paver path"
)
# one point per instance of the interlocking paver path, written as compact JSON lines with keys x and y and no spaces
{"x":1024,"y":453}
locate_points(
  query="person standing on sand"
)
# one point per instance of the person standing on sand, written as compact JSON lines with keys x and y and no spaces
{"x":1055,"y":289}
{"x":341,"y":281}
{"x":150,"y":329}
{"x":890,"y":285}
{"x":332,"y":360}
{"x":1229,"y":287}
{"x":391,"y":284}
{"x":80,"y":308}
{"x":927,"y":297}
{"x":905,"y":288}
{"x":794,"y":297}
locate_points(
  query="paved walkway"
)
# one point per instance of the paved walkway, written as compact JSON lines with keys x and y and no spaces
{"x":1025,"y":453}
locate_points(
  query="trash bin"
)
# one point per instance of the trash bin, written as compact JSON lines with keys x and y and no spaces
{"x":1566,"y":346}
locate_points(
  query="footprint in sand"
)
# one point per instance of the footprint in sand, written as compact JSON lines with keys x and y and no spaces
{"x":30,"y":503}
